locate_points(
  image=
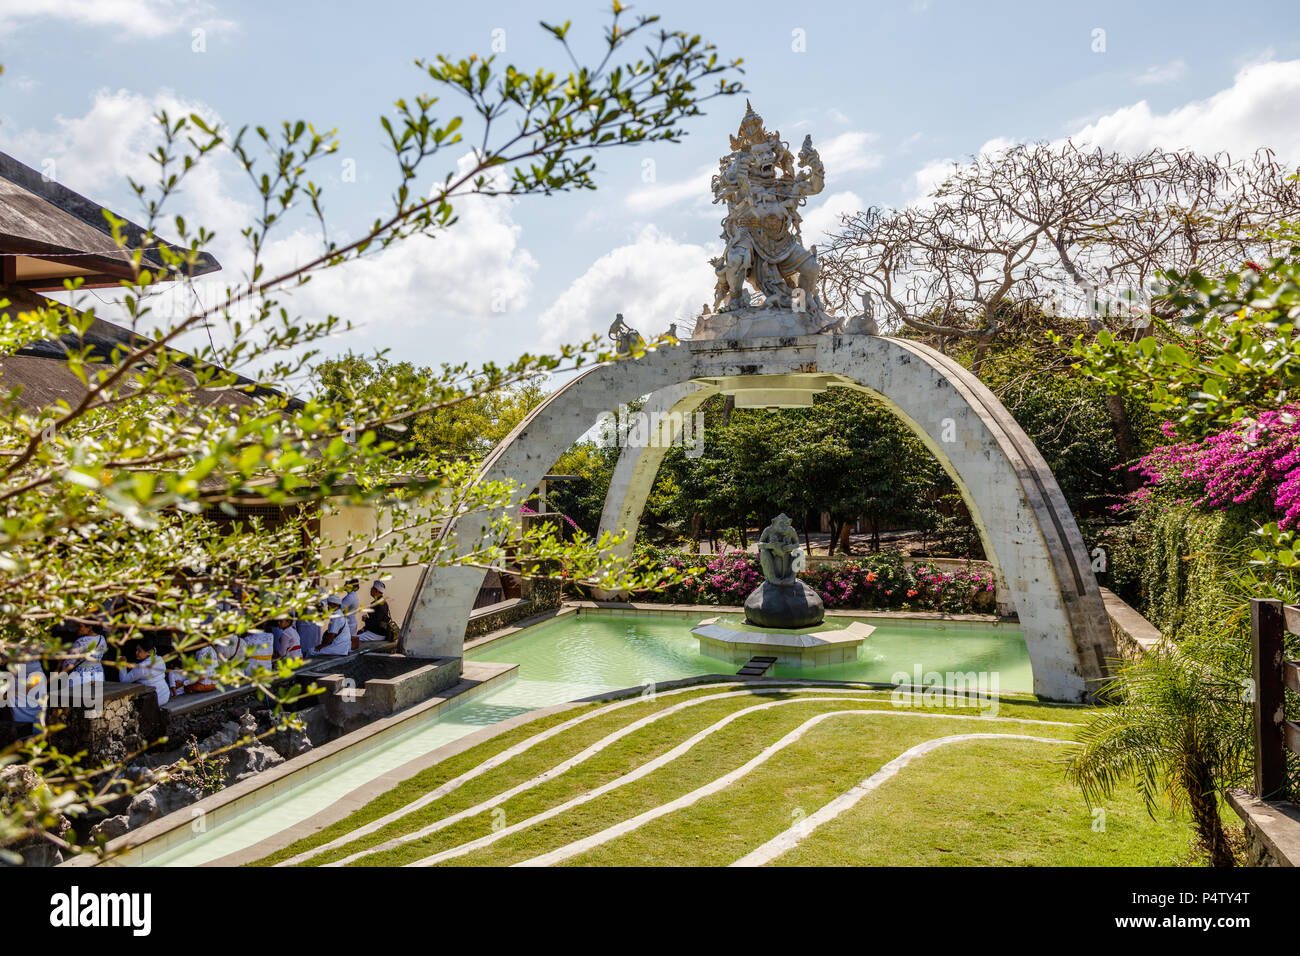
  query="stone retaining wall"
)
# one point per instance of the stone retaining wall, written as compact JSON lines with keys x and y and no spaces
{"x":1134,"y":635}
{"x":129,"y":721}
{"x":1272,"y":829}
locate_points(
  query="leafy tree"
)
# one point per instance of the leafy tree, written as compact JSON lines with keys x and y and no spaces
{"x":1066,"y":416}
{"x":847,"y":455}
{"x":1231,"y":356}
{"x":463,"y":427}
{"x":1061,"y":230}
{"x":583,"y":500}
{"x":101,"y":497}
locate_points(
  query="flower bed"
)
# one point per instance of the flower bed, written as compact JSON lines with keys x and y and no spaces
{"x":879,"y":581}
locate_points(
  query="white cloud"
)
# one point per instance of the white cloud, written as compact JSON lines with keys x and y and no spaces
{"x":848,"y":153}
{"x":825,"y":219}
{"x":653,"y":281}
{"x":1258,"y":109}
{"x":417,"y":294}
{"x":134,"y":18}
{"x":422,"y":290}
{"x":95,"y":153}
{"x":927,"y":179}
{"x":657,"y":196}
{"x":1167,"y":73}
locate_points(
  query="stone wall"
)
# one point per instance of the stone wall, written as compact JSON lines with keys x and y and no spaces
{"x":201,"y":718}
{"x":1272,"y":829}
{"x":493,"y":617}
{"x":379,"y":685}
{"x":128,"y":721}
{"x":1134,"y":635}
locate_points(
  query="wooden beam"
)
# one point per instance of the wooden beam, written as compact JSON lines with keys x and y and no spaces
{"x":1291,"y":731}
{"x":1291,"y":675}
{"x":1266,"y":630}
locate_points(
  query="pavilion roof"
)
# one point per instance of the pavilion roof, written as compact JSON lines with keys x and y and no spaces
{"x":49,"y":233}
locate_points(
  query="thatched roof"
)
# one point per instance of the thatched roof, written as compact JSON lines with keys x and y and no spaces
{"x":49,"y":233}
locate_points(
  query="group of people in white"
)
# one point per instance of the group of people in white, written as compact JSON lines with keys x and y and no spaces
{"x":143,"y":661}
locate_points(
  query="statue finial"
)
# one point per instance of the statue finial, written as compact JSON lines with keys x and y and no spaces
{"x":751,"y":130}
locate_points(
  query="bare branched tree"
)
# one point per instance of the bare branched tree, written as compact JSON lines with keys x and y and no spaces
{"x":1073,"y":234}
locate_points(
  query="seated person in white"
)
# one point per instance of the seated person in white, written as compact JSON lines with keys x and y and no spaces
{"x":350,"y":605}
{"x":222,"y":649}
{"x":86,"y":655}
{"x":379,"y":622}
{"x":30,"y":691}
{"x":261,"y":650}
{"x":309,"y":635}
{"x":287,"y":642}
{"x":337,"y":639}
{"x":149,"y":669}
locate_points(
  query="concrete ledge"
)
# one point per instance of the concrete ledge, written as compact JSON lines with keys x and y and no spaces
{"x":1134,"y":634}
{"x":501,"y":607}
{"x":637,"y":607}
{"x":1272,"y":828}
{"x":512,"y":629}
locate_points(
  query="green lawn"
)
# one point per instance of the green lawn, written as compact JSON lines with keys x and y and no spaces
{"x":972,"y":802}
{"x":992,"y":803}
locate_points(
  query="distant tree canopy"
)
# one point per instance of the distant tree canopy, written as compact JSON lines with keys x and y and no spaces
{"x":847,"y":456}
{"x":464,"y":428}
{"x":850,"y":457}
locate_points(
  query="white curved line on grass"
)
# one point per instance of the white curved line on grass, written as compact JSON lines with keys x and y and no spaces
{"x":494,"y":761}
{"x":721,"y":783}
{"x":787,"y":840}
{"x":666,"y":758}
{"x":569,"y":764}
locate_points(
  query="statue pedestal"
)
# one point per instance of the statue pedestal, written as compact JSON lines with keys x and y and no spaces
{"x":784,"y":606}
{"x":757,"y":322}
{"x":737,"y":645}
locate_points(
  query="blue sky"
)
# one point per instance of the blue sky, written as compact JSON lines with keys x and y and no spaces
{"x":891,"y":93}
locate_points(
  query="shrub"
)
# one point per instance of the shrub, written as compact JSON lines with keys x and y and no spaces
{"x":879,"y":581}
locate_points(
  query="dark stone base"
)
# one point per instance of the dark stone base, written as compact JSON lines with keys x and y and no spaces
{"x":784,"y":605}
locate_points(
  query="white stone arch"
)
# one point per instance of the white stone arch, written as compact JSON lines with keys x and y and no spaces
{"x":1022,"y":516}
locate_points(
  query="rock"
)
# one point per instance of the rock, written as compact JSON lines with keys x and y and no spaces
{"x":290,"y":743}
{"x":143,"y":809}
{"x":16,"y":782}
{"x":41,"y":854}
{"x":225,"y":737}
{"x":158,"y":801}
{"x":246,"y":761}
{"x":784,"y":606}
{"x":111,"y":828}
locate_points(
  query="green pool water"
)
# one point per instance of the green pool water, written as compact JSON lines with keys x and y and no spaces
{"x":577,"y":656}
